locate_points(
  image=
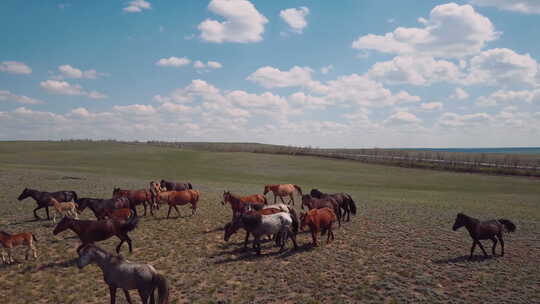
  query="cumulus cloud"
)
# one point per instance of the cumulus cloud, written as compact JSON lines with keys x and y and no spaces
{"x":8,"y":96}
{"x":451,"y":31}
{"x":65,"y":88}
{"x":295,"y":18}
{"x":467,"y":120}
{"x":431,"y":106}
{"x":402,"y":118}
{"x":173,"y":62}
{"x":15,"y":67}
{"x":270,"y":77}
{"x":459,"y":94}
{"x":503,"y":96}
{"x":242,"y":24}
{"x":71,"y":72}
{"x":520,"y":6}
{"x":137,"y":6}
{"x":209,"y":65}
{"x":326,"y":69}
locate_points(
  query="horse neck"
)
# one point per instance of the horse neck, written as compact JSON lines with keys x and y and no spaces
{"x":470,"y":222}
{"x":103,"y":259}
{"x":35,"y":194}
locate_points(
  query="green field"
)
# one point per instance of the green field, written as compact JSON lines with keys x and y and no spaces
{"x":400,"y":248}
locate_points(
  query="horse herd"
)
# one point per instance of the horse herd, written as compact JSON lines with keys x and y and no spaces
{"x":279,"y":222}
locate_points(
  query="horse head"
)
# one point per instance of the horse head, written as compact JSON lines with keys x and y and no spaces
{"x":25,"y":193}
{"x":226,"y":197}
{"x":316,"y":193}
{"x":87,"y":255}
{"x":64,"y":224}
{"x":460,"y":221}
{"x":306,"y":200}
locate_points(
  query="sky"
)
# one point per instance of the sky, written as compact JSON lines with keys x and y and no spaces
{"x":353,"y":73}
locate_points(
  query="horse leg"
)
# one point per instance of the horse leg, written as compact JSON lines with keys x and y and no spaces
{"x":292,"y":199}
{"x":169,"y":213}
{"x":128,"y":298}
{"x":112,"y":292}
{"x":177,"y":211}
{"x":494,"y":245}
{"x":502,"y":243}
{"x":472,"y":249}
{"x":281,"y":198}
{"x":293,"y":238}
{"x":47,"y":210}
{"x":144,"y":295}
{"x":34,"y":251}
{"x":482,"y":247}
{"x":246,"y":240}
{"x":144,"y":206}
{"x":35,"y":214}
{"x":314,"y":237}
{"x":120,"y":245}
{"x":275,"y":198}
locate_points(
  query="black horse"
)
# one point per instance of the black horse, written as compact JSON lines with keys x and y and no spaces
{"x":43,"y":199}
{"x":175,"y":186}
{"x":100,"y":207}
{"x":487,"y":230}
{"x":344,"y":201}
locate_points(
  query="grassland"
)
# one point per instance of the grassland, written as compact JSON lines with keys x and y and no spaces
{"x":399,"y":249}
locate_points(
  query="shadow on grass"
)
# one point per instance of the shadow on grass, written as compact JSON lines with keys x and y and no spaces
{"x":33,"y":220}
{"x":64,"y":264}
{"x":248,"y":254}
{"x":464,"y":258}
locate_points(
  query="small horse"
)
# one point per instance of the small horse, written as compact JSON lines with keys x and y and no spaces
{"x":121,"y":273}
{"x":64,"y":209}
{"x":175,"y":186}
{"x":319,"y":220}
{"x":282,"y":190}
{"x":43,"y":199}
{"x":238,"y":202}
{"x":121,"y":214}
{"x":344,"y":200}
{"x":174,"y":198}
{"x":136,"y":197}
{"x":9,"y":241}
{"x":492,"y":230}
{"x":93,"y":231}
{"x":155,"y":188}
{"x":102,"y":207}
{"x":259,"y":225}
{"x":325,"y":202}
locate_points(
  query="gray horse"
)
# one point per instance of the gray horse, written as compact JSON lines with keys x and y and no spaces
{"x":120,"y":273}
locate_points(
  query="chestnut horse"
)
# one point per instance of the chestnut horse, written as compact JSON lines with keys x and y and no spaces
{"x":43,"y":199}
{"x":174,"y":198}
{"x":102,"y":207}
{"x":318,"y":203}
{"x":9,"y":241}
{"x":175,"y":186}
{"x":319,"y":220}
{"x":487,"y":230}
{"x":282,"y":190}
{"x":121,"y":214}
{"x":136,"y":197}
{"x":344,"y":200}
{"x":238,"y":202}
{"x":93,"y":231}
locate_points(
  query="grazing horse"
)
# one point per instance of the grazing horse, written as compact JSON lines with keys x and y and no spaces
{"x":492,"y":230}
{"x":102,"y":207}
{"x":136,"y":197}
{"x":282,"y":190}
{"x":93,"y":231}
{"x":238,"y":202}
{"x":318,"y":220}
{"x":175,"y":186}
{"x":43,"y":199}
{"x":64,"y":209}
{"x":259,"y":225}
{"x":174,"y":198}
{"x":9,"y":241}
{"x":344,"y":200}
{"x":318,"y":203}
{"x":121,"y":273}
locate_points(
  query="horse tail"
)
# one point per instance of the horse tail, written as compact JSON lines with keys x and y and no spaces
{"x":508,"y":225}
{"x":131,"y":224}
{"x":298,"y":188}
{"x":34,"y":237}
{"x":294,"y":217}
{"x":352,"y":204}
{"x":162,"y":287}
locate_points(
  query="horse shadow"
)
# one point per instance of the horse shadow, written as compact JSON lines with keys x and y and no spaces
{"x":34,"y":220}
{"x":63,"y":264}
{"x":464,"y":259}
{"x":241,"y":254}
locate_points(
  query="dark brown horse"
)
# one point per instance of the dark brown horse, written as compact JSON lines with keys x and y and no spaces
{"x":136,"y":197}
{"x":319,"y":220}
{"x":238,"y":203}
{"x":174,"y":198}
{"x":318,"y":203}
{"x":43,"y":199}
{"x":93,"y":231}
{"x":486,"y":230}
{"x":175,"y":186}
{"x":282,"y":190}
{"x":344,"y":201}
{"x":102,"y":207}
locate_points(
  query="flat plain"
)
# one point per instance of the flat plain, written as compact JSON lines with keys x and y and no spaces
{"x":399,"y":248}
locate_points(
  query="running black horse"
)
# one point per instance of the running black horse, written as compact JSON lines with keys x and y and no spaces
{"x":175,"y":186}
{"x":43,"y":199}
{"x":344,"y":201}
{"x":101,"y":207}
{"x":487,"y":230}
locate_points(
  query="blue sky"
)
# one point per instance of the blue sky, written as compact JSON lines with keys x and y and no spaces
{"x":357,"y":74}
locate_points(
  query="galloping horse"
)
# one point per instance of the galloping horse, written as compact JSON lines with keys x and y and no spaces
{"x":484,"y":230}
{"x":238,"y":202}
{"x":319,"y":220}
{"x":93,"y":231}
{"x":136,"y":197}
{"x":64,"y":209}
{"x":344,"y":200}
{"x":174,"y":198}
{"x":282,"y":190}
{"x":175,"y":186}
{"x":325,"y":202}
{"x":43,"y":199}
{"x":102,"y":207}
{"x":9,"y":241}
{"x":121,"y":273}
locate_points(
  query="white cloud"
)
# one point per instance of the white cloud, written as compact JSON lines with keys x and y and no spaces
{"x":173,"y":62}
{"x":520,"y":6}
{"x":459,"y":94}
{"x":295,"y":18}
{"x":431,"y":106}
{"x":136,"y":109}
{"x":71,"y":72}
{"x":65,"y":88}
{"x":270,"y":77}
{"x":137,"y":6}
{"x":451,"y":31}
{"x":8,"y":96}
{"x":243,"y":23}
{"x":402,"y":118}
{"x":326,"y":69}
{"x":309,"y":101}
{"x":466,"y":120}
{"x":502,"y":96}
{"x":15,"y":67}
{"x":210,"y":64}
